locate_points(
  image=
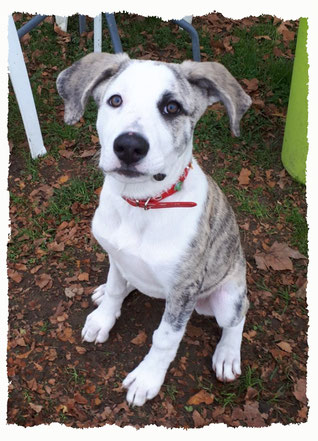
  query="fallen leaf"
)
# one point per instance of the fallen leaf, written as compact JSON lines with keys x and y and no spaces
{"x":79,"y":398}
{"x":14,"y":275}
{"x":90,"y":388}
{"x":244,"y":177}
{"x":278,"y":52}
{"x":32,"y":384}
{"x":252,"y":415}
{"x":303,"y":413}
{"x":60,"y":32}
{"x":226,"y":44}
{"x":121,"y":406}
{"x":140,"y":339}
{"x":21,"y":267}
{"x":262,"y":37}
{"x":301,"y":293}
{"x":52,"y":355}
{"x":54,"y":246}
{"x":219,"y":410}
{"x":285,"y":346}
{"x":278,"y":257}
{"x":21,"y":342}
{"x":66,"y":153}
{"x":300,"y":390}
{"x":252,"y":84}
{"x":63,"y":179}
{"x":80,"y":350}
{"x":100,"y":257}
{"x":197,"y":419}
{"x":66,"y":335}
{"x":69,"y":293}
{"x":26,"y":354}
{"x":278,"y":354}
{"x":43,"y":281}
{"x":94,"y":139}
{"x":35,"y":269}
{"x":285,"y":33}
{"x":249,"y":335}
{"x":88,"y":153}
{"x":251,"y":393}
{"x":257,"y":102}
{"x":83,"y":276}
{"x":36,"y":407}
{"x":110,"y":373}
{"x":287,"y":279}
{"x":201,"y":397}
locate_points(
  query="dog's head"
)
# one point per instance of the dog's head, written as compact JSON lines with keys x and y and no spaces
{"x":147,"y":110}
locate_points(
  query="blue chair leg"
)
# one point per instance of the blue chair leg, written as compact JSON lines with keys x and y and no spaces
{"x":82,"y":24}
{"x":112,"y":26}
{"x":30,"y":25}
{"x":194,"y":37}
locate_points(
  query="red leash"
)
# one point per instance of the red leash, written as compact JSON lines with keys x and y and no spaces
{"x":150,"y":203}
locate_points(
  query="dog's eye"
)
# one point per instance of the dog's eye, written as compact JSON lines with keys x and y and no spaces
{"x":172,"y":108}
{"x":115,"y":101}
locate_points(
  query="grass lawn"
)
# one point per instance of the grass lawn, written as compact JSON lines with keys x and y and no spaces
{"x":54,"y":263}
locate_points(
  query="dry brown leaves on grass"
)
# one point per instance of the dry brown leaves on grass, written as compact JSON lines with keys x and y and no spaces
{"x":55,"y":377}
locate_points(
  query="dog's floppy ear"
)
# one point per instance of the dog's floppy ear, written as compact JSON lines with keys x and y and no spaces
{"x":219,"y":85}
{"x":76,"y":83}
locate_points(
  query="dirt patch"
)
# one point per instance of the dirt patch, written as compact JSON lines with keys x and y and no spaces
{"x":55,"y":264}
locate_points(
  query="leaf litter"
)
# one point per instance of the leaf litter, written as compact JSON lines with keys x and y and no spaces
{"x":55,"y":377}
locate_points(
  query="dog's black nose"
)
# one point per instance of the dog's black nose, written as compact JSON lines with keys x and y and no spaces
{"x":130,"y":147}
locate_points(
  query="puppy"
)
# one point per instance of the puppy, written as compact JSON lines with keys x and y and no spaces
{"x":166,"y":226}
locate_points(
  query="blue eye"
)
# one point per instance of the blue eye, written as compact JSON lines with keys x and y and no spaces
{"x":172,"y":108}
{"x":115,"y":101}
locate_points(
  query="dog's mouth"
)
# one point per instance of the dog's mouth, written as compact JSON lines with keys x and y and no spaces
{"x":129,"y":173}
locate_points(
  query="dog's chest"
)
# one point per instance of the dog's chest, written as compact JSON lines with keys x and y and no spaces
{"x":147,"y":247}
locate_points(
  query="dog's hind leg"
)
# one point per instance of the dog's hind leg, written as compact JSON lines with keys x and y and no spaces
{"x":109,"y":298}
{"x":229,"y":305}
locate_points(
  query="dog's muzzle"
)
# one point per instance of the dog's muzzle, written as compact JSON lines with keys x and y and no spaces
{"x":130,"y":148}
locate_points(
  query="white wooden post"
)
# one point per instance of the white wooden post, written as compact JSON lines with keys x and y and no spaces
{"x":98,"y":33}
{"x":23,"y":92}
{"x":61,"y":22}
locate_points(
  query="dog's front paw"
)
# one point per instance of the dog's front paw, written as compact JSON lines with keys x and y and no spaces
{"x":97,"y":326}
{"x":226,"y":362}
{"x":98,"y":294}
{"x":143,"y":384}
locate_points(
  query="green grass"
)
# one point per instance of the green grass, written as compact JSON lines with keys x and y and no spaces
{"x":171,"y":391}
{"x":248,"y":61}
{"x":258,"y":148}
{"x":250,"y":378}
{"x":251,"y":58}
{"x":300,"y":230}
{"x":77,"y":190}
{"x":250,"y":202}
{"x":75,"y":376}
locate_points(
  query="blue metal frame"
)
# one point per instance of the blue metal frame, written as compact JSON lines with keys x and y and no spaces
{"x":194,"y":37}
{"x":82,"y":24}
{"x":112,"y":26}
{"x":30,"y":25}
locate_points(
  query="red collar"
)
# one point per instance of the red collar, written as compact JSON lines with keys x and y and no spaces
{"x":149,"y":203}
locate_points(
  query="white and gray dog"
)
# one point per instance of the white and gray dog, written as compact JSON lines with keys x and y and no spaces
{"x":166,"y":226}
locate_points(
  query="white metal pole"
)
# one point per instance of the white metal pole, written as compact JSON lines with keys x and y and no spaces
{"x":23,"y":92}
